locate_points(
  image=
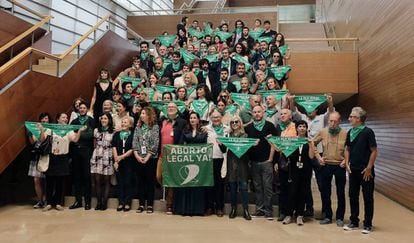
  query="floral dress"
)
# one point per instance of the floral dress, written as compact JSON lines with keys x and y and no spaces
{"x":102,"y":159}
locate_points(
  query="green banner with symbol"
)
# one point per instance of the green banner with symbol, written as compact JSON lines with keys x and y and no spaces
{"x":223,"y":35}
{"x":238,"y":58}
{"x":286,"y":144}
{"x":212,"y":58}
{"x":196,"y":33}
{"x":283,"y":49}
{"x":255,"y":34}
{"x":238,"y":146}
{"x":167,"y":40}
{"x":241,"y":99}
{"x":278,"y":94}
{"x":280,"y":71}
{"x":187,"y":56}
{"x":164,"y":88}
{"x":162,"y":105}
{"x":58,"y":129}
{"x":189,"y":165}
{"x":199,"y":106}
{"x":134,"y":81}
{"x":310,"y":102}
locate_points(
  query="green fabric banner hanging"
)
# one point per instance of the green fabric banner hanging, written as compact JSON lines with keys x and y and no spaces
{"x":283,"y":49}
{"x":255,"y":34}
{"x":58,"y":129}
{"x":287,"y":145}
{"x":278,"y":94}
{"x":134,"y":81}
{"x":212,"y":58}
{"x":196,"y":33}
{"x":266,"y":39}
{"x":167,"y":40}
{"x":199,"y":106}
{"x":310,"y":102}
{"x":188,"y":165}
{"x":238,"y":146}
{"x":164,"y":88}
{"x":187,"y":56}
{"x":280,"y":71}
{"x":223,"y":35}
{"x":241,"y":99}
{"x":163,"y":105}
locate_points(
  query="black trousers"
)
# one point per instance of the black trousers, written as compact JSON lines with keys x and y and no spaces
{"x":146,"y":181}
{"x":54,"y":190}
{"x":283,"y":194}
{"x":215,"y":194}
{"x":81,"y":167}
{"x":318,"y":176}
{"x":356,"y":182}
{"x":328,"y":172}
{"x":300,"y":181}
{"x":124,"y":177}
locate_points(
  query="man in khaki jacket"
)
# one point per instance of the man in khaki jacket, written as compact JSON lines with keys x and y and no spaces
{"x":332,"y":161}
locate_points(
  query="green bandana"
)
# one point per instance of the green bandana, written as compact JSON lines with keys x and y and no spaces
{"x":199,"y":106}
{"x":212,"y":58}
{"x":238,"y":146}
{"x":59,"y":129}
{"x":150,"y":92}
{"x":143,"y":56}
{"x":231,"y":109}
{"x":310,"y":102}
{"x":266,"y":39}
{"x":225,"y":63}
{"x":270,"y":113}
{"x":163,"y":105}
{"x":241,"y":99}
{"x":160,"y":72}
{"x":196,"y":71}
{"x":284,"y":125}
{"x":135,"y":82}
{"x":190,"y":90}
{"x":223,"y":35}
{"x":145,"y":129}
{"x":224,"y":85}
{"x":205,"y":74}
{"x":194,"y":32}
{"x":283,"y":49}
{"x":355,"y":131}
{"x":164,"y":88}
{"x":176,"y":66}
{"x":238,"y":30}
{"x":334,"y":131}
{"x":265,"y":54}
{"x":167,"y":40}
{"x":104,"y":129}
{"x":167,"y":62}
{"x":207,"y":29}
{"x":237,"y":84}
{"x":280,"y":71}
{"x":238,"y":58}
{"x":187,"y":56}
{"x":287,"y":145}
{"x":124,"y":135}
{"x":255,"y":34}
{"x":259,"y":124}
{"x":127,"y":96}
{"x":278,"y":94}
{"x":104,"y":81}
{"x":219,"y":130}
{"x":82,"y":119}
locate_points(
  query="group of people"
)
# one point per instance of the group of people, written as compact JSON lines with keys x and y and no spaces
{"x":197,"y":86}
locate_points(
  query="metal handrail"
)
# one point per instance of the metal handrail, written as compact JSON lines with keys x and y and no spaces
{"x":328,"y":27}
{"x":224,"y":8}
{"x":26,"y":8}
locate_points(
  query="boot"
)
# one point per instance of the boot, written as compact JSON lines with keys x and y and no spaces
{"x":98,"y":205}
{"x":232,"y":214}
{"x":246,"y":214}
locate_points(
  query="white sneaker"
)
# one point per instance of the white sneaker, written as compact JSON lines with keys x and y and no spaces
{"x":287,"y":220}
{"x":299,"y":220}
{"x":366,"y":230}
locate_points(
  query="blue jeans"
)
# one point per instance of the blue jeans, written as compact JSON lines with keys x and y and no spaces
{"x":262,"y":176}
{"x":242,"y":185}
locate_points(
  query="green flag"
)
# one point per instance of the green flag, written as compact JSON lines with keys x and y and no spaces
{"x":266,"y":39}
{"x":231,"y":109}
{"x":237,"y":84}
{"x":188,"y":165}
{"x":310,"y":102}
{"x":280,"y":71}
{"x":150,"y":92}
{"x":134,"y":81}
{"x":199,"y":106}
{"x":241,"y":99}
{"x":223,"y":35}
{"x":190,"y":90}
{"x":212,"y":58}
{"x":167,"y":40}
{"x":196,"y":33}
{"x":283,"y":49}
{"x":238,"y":58}
{"x":287,"y":145}
{"x":167,"y":62}
{"x":238,"y":146}
{"x":187,"y":56}
{"x":163,"y":105}
{"x":255,"y":34}
{"x":59,"y":129}
{"x":278,"y":94}
{"x":207,"y":29}
{"x":164,"y":88}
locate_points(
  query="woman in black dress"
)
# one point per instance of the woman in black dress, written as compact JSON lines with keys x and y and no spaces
{"x":102,"y":91}
{"x":190,"y":201}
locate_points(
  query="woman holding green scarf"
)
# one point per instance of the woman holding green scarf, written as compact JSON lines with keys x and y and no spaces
{"x":226,"y":111}
{"x":102,"y":91}
{"x":101,"y":160}
{"x":124,"y":163}
{"x":190,"y":81}
{"x":145,"y":146}
{"x":203,"y":103}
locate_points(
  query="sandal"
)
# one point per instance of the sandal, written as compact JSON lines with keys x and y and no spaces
{"x":140,"y":209}
{"x":150,"y":209}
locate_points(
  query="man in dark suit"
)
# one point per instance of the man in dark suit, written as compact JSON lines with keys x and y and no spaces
{"x":227,"y":62}
{"x":207,"y":75}
{"x":224,"y":84}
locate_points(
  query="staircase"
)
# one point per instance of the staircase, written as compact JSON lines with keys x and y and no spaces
{"x":49,"y":66}
{"x":305,"y":30}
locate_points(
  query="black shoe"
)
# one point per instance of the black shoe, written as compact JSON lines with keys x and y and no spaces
{"x":232,"y":214}
{"x":98,"y":205}
{"x":281,"y":217}
{"x":309,"y":213}
{"x":76,"y":204}
{"x":127,"y":208}
{"x":120,"y":208}
{"x":104,"y":206}
{"x":87,"y":206}
{"x":246,"y":214}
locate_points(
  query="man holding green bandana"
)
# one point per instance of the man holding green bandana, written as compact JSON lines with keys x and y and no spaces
{"x":360,"y":155}
{"x":145,"y":56}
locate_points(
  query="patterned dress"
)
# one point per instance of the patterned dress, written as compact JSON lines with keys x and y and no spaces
{"x":102,"y":159}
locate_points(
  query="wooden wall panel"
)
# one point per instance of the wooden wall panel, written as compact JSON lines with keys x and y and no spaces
{"x":36,"y":92}
{"x":152,"y":26}
{"x":386,"y":84}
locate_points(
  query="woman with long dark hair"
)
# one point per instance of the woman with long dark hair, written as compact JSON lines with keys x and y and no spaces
{"x":102,"y":160}
{"x":102,"y":91}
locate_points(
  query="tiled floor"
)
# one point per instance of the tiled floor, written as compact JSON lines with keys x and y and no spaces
{"x":393,"y":223}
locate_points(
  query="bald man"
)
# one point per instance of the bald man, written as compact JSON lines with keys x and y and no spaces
{"x":332,"y":162}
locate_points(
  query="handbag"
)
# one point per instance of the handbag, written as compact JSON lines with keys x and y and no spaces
{"x":43,"y":163}
{"x":45,"y":147}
